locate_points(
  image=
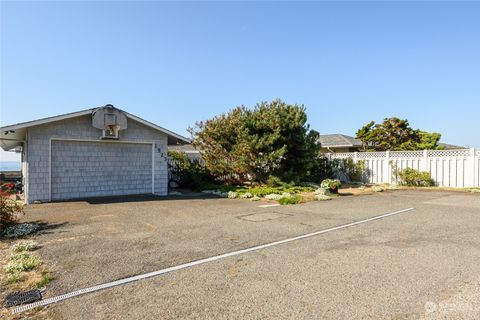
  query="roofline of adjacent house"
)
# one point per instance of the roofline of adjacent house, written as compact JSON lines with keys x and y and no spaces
{"x":32,"y":123}
{"x":339,"y":145}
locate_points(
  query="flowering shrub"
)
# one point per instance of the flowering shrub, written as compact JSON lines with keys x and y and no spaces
{"x":8,"y":188}
{"x":331,"y":184}
{"x":22,"y":261}
{"x":18,"y":264}
{"x":246,"y":195}
{"x":28,"y":245}
{"x":273,"y":196}
{"x":321,"y":191}
{"x":232,"y":195}
{"x":322,"y":197}
{"x":9,"y":210}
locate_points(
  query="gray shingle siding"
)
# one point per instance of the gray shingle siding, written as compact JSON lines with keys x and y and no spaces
{"x":38,"y":157}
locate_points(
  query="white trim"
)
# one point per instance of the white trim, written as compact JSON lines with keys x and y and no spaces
{"x":25,"y":167}
{"x":50,"y":170}
{"x":153,"y":167}
{"x":95,"y":141}
{"x":115,"y":283}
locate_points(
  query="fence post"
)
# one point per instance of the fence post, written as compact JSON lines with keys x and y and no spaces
{"x":388,"y":175}
{"x":425,"y":161}
{"x":355,"y":157}
{"x":476,"y":166}
{"x":471,"y":168}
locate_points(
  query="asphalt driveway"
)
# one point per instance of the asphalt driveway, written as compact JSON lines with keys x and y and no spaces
{"x":421,"y":264}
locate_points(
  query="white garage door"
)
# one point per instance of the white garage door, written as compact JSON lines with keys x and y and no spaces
{"x":94,"y":169}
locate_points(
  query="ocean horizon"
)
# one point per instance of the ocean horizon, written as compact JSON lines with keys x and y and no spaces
{"x":10,"y":165}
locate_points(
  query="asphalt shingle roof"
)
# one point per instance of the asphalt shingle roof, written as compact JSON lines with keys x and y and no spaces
{"x":339,"y":140}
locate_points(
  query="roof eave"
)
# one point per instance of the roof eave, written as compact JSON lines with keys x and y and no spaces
{"x":338,"y":146}
{"x":46,"y":120}
{"x":157,"y":127}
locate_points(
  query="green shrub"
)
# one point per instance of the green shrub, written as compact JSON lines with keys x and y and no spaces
{"x":289,"y":200}
{"x":322,"y":168}
{"x":274,"y":181}
{"x":47,"y":277}
{"x":188,"y":173}
{"x":246,"y":145}
{"x":352,"y":171}
{"x":259,"y":191}
{"x":412,"y":177}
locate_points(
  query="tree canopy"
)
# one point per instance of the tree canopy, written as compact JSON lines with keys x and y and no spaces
{"x":245,"y":144}
{"x":396,"y":134}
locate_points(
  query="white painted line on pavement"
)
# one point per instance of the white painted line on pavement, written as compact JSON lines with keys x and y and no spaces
{"x":194,"y":263}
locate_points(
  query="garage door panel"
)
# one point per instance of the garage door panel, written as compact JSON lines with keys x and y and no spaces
{"x":91,"y":169}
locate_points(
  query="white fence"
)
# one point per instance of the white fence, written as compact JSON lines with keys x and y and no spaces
{"x":448,"y":168}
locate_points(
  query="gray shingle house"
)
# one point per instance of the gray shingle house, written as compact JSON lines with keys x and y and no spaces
{"x":95,"y":152}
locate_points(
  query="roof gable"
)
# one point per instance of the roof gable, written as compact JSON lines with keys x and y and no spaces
{"x":21,"y":126}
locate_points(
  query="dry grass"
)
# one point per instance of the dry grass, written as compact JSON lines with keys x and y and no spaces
{"x":307,"y":197}
{"x":469,"y":190}
{"x":355,"y":190}
{"x":38,"y":276}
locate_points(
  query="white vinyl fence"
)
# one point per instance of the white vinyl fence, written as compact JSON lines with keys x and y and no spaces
{"x":448,"y":168}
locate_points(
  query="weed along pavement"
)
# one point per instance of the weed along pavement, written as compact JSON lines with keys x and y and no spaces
{"x":420,"y":262}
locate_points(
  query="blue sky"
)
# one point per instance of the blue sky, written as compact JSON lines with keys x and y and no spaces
{"x":176,"y":63}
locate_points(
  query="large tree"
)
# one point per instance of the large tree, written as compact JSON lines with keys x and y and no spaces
{"x":244,"y":144}
{"x":396,"y":134}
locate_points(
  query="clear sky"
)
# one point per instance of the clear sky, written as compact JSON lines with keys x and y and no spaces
{"x":176,"y":63}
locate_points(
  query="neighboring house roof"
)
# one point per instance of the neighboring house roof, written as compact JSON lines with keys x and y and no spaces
{"x":339,"y":140}
{"x":450,"y":146}
{"x":342,"y":140}
{"x":187,"y":148}
{"x":17,"y":131}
